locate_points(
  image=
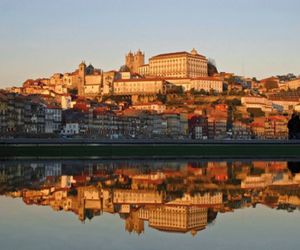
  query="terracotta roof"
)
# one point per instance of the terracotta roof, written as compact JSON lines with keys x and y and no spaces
{"x":3,"y":97}
{"x":53,"y":107}
{"x":272,"y":78}
{"x":257,"y":124}
{"x":278,"y":118}
{"x":131,"y":112}
{"x":171,"y":112}
{"x":285,"y":99}
{"x":148,"y":104}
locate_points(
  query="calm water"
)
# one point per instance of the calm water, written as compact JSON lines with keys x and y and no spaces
{"x":149,"y":205}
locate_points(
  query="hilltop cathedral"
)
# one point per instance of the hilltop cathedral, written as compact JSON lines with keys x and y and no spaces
{"x":178,"y":64}
{"x":93,"y":82}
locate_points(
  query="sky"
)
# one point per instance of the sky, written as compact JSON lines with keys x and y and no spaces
{"x":40,"y":227}
{"x":248,"y":37}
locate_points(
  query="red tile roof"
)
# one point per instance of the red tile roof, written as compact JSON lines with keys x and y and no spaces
{"x":257,"y":124}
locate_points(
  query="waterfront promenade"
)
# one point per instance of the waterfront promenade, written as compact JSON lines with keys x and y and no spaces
{"x":119,"y":149}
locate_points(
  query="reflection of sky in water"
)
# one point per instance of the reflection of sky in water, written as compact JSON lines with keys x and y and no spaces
{"x":36,"y":227}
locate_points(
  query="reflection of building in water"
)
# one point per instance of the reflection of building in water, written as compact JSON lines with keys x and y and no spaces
{"x":85,"y":200}
{"x":190,"y":194}
{"x":53,"y":169}
{"x":124,"y":209}
{"x":107,"y":201}
{"x":36,"y":196}
{"x":147,"y":181}
{"x":297,"y":178}
{"x":91,"y":196}
{"x":88,"y":199}
{"x":133,"y":223}
{"x":257,"y":181}
{"x":288,"y":195}
{"x":289,"y":199}
{"x":217,"y":170}
{"x":178,"y":218}
{"x":66,"y":181}
{"x":14,"y":175}
{"x":282,"y":179}
{"x":137,"y":196}
{"x":199,"y":199}
{"x":144,"y":213}
{"x":270,"y":165}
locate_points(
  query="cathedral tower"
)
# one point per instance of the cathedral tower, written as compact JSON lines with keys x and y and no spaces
{"x":134,"y":61}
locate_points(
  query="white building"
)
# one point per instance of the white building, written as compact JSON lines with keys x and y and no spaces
{"x":157,"y":107}
{"x":70,"y":129}
{"x":53,"y":119}
{"x":257,"y":102}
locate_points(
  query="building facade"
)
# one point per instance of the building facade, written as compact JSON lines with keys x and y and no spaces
{"x":178,"y":64}
{"x":198,"y":83}
{"x":138,"y":86}
{"x":178,"y":218}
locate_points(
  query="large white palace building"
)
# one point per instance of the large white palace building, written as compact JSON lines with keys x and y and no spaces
{"x":178,"y":64}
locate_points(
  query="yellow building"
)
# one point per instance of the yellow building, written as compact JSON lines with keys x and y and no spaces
{"x":198,"y":83}
{"x":156,"y":107}
{"x":294,"y":84}
{"x":138,"y":86}
{"x":178,"y":64}
{"x":207,"y":199}
{"x":107,"y":82}
{"x":56,"y":79}
{"x":93,"y":82}
{"x":137,"y":197}
{"x":178,"y":218}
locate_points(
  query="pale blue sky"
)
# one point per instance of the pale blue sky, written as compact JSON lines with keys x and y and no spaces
{"x":39,"y":227}
{"x":251,"y":37}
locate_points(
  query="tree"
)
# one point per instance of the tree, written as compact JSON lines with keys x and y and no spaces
{"x":73,"y":91}
{"x":162,"y":98}
{"x":211,"y":67}
{"x":211,"y":92}
{"x":234,"y":102}
{"x":256,"y":112}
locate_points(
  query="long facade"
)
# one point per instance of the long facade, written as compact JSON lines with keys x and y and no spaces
{"x":138,"y":86}
{"x":178,"y":64}
{"x":199,"y":83}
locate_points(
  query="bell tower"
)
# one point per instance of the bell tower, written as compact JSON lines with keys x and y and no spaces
{"x":139,"y":60}
{"x":129,"y":60}
{"x":134,"y":61}
{"x":81,"y":78}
